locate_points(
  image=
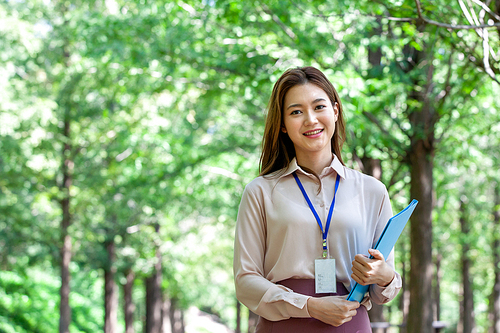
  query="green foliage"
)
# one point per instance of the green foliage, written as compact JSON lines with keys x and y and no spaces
{"x":166,"y":102}
{"x":29,"y":302}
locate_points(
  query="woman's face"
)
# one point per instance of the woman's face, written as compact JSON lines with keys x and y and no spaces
{"x":309,"y":120}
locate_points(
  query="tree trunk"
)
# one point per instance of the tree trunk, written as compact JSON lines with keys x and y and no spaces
{"x":129,"y":306}
{"x":154,"y":296}
{"x":110,"y":291}
{"x":495,"y":294}
{"x":166,"y":322}
{"x":372,"y":167}
{"x":437,"y":288}
{"x":238,"y":317}
{"x":420,"y":312}
{"x":376,"y":315}
{"x":404,"y":300}
{"x":67,"y":168}
{"x":176,"y":317}
{"x":420,"y":156}
{"x":252,"y":321}
{"x":497,"y":11}
{"x":375,"y":54}
{"x":467,"y":303}
{"x":153,"y":304}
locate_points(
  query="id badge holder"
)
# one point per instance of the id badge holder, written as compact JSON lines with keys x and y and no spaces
{"x":324,"y":268}
{"x":324,"y":275}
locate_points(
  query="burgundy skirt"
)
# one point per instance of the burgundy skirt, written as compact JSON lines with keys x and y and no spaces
{"x":360,"y":323}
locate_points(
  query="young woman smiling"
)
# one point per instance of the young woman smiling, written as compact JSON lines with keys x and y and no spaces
{"x":307,"y":222}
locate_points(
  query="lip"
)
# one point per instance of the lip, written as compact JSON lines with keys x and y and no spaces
{"x":317,"y":132}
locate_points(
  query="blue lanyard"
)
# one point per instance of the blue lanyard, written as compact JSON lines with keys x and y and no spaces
{"x":329,"y":219}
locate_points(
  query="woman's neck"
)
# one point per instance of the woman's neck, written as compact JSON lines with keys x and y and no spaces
{"x":315,"y":162}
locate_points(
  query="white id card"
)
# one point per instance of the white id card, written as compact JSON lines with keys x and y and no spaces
{"x":324,"y":271}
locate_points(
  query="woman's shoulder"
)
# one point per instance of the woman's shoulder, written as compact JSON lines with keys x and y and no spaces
{"x":367,"y":181}
{"x":264,"y":183}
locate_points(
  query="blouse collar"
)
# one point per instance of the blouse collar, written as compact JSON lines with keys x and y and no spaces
{"x":336,"y":166}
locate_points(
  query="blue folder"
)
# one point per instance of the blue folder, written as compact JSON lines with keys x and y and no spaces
{"x":385,"y":243}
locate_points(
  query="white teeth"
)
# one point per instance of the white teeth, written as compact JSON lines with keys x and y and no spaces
{"x":313,"y":132}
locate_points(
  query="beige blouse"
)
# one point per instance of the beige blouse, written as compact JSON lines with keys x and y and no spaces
{"x":277,"y":236}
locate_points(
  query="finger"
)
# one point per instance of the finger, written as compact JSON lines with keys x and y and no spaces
{"x":348,"y":319}
{"x":361,"y":280}
{"x":357,"y":271}
{"x":362,"y":260}
{"x":353,"y":312}
{"x":376,"y":254}
{"x":349,"y":315}
{"x":350,"y":306}
{"x":360,"y":268}
{"x":358,"y":279}
{"x":360,"y":257}
{"x":354,"y":305}
{"x":361,"y":275}
{"x":356,"y":265}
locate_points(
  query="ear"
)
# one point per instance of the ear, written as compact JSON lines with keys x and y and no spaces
{"x":283,"y":128}
{"x":336,"y":110}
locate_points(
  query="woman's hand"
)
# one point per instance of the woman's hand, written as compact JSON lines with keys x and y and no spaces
{"x":333,"y":310}
{"x":372,"y":271}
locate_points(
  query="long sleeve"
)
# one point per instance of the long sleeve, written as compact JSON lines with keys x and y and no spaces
{"x":382,"y":295}
{"x":263,"y":297}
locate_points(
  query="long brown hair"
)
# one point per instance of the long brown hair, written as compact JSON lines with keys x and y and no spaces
{"x":277,"y":148}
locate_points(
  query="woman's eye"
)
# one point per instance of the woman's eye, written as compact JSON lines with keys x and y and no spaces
{"x":320,"y":107}
{"x":296,"y":112}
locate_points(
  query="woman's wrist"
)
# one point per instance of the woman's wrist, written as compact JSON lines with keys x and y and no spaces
{"x":311,"y":306}
{"x":387,"y":281}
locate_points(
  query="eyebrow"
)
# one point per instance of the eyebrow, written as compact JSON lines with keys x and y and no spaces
{"x":298,"y":104}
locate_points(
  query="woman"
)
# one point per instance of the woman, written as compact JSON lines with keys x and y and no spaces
{"x":306,"y":224}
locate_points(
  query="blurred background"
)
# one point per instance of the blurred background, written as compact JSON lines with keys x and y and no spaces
{"x":128,"y":130}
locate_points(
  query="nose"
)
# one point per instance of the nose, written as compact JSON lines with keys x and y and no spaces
{"x":311,"y":118}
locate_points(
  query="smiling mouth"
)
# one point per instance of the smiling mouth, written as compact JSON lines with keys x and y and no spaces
{"x":313,"y":132}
